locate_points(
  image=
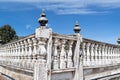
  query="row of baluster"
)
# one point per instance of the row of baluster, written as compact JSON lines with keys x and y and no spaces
{"x":100,"y":54}
{"x":26,"y":52}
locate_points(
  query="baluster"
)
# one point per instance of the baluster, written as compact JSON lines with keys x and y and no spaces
{"x":96,"y":54}
{"x":18,"y":56}
{"x":100,"y":54}
{"x":22,"y":53}
{"x":11,"y":56}
{"x":92,"y":53}
{"x":8,"y":60}
{"x":114,"y":55}
{"x":70,"y":62}
{"x":15,"y":63}
{"x":84,"y":54}
{"x":34,"y":49}
{"x":117,"y":55}
{"x":7,"y":54}
{"x":55,"y":55}
{"x":13,"y":53}
{"x":88,"y":54}
{"x":111,"y":51}
{"x":30,"y":50}
{"x":106,"y":54}
{"x":25,"y":55}
{"x":109,"y":54}
{"x":103,"y":54}
{"x":62,"y":55}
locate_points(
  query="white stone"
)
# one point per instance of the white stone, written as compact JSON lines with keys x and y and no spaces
{"x":42,"y":32}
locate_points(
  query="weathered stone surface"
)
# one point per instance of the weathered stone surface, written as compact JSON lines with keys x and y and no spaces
{"x":62,"y":76}
{"x":40,"y":71}
{"x":15,"y":75}
{"x":43,"y":32}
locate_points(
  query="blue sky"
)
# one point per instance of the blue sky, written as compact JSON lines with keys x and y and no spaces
{"x":99,"y":19}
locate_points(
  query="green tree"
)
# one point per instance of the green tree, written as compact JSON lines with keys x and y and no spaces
{"x":7,"y":34}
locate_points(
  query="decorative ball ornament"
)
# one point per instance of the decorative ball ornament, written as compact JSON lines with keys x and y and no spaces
{"x":118,"y":41}
{"x":43,"y":20}
{"x":77,"y":27}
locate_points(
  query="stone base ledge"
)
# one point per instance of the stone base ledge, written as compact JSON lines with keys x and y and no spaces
{"x":63,"y":70}
{"x":15,"y":75}
{"x":99,"y":66}
{"x":102,"y":74}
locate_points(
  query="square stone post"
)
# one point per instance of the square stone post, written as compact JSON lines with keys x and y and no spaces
{"x":42,"y":67}
{"x":78,"y":55}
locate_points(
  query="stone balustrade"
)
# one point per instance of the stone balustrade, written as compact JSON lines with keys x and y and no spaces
{"x":19,"y":54}
{"x":100,"y":54}
{"x":44,"y":52}
{"x":24,"y":52}
{"x":63,"y":52}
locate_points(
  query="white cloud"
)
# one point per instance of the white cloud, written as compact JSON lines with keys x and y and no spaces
{"x":65,"y":6}
{"x":28,"y":26}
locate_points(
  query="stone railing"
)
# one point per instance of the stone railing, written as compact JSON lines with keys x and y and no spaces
{"x":45,"y":51}
{"x":63,"y":51}
{"x":99,"y":53}
{"x":19,"y":54}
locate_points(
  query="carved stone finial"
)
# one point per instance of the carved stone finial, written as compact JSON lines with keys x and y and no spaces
{"x":0,"y":40}
{"x":77,"y":27}
{"x":118,"y":41}
{"x":43,"y":20}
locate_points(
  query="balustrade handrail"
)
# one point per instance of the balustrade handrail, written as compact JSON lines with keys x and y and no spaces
{"x":99,"y":42}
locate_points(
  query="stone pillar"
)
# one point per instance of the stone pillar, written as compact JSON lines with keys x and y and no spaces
{"x":44,"y":35}
{"x":40,"y":68}
{"x":78,"y":55}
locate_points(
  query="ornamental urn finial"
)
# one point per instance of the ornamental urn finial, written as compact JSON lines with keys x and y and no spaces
{"x":43,"y":20}
{"x":77,"y":27}
{"x":118,"y":41}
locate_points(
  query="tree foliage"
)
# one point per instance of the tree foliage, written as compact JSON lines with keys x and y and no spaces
{"x":7,"y":34}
